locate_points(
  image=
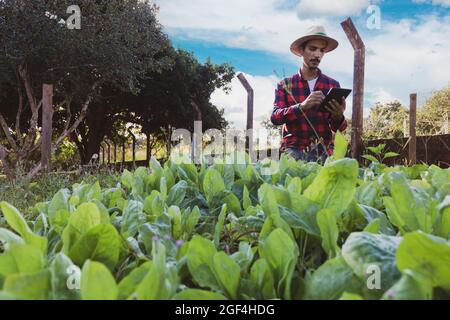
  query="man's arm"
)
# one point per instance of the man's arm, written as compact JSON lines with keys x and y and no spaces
{"x":282,"y":113}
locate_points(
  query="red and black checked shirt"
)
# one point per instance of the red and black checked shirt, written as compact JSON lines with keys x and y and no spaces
{"x":296,"y":132}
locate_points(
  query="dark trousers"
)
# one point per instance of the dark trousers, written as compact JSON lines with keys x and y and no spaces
{"x":315,"y":155}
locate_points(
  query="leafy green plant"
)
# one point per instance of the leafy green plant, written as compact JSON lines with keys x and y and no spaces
{"x":379,"y":154}
{"x":177,"y":231}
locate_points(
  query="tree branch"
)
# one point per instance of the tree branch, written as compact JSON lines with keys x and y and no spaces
{"x":77,"y":122}
{"x":9,"y":137}
{"x":19,"y":111}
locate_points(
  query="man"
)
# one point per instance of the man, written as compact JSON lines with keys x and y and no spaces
{"x":307,"y":133}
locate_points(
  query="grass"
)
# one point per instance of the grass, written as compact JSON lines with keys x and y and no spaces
{"x":24,"y":193}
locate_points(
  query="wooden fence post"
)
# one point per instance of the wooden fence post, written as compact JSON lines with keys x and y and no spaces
{"x":47,"y":118}
{"x":109,"y":151}
{"x":123,"y":153}
{"x":103,"y":154}
{"x":148,"y":148}
{"x":250,"y":100}
{"x":412,"y":129}
{"x":358,"y":86}
{"x":115,"y":153}
{"x":134,"y":147}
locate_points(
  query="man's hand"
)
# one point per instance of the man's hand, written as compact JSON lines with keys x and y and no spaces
{"x":336,"y":109}
{"x":313,"y":100}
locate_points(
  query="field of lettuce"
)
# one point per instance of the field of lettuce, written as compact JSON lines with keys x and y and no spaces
{"x":227,"y":231}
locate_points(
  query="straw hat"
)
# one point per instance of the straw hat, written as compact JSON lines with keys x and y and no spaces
{"x":315,"y":32}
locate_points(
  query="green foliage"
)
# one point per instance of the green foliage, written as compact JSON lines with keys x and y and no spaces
{"x":175,"y":231}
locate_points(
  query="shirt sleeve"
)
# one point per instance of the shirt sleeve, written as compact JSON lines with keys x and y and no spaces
{"x":340,"y":125}
{"x":283,"y":113}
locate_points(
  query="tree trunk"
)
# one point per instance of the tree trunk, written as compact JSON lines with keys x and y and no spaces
{"x":97,"y":127}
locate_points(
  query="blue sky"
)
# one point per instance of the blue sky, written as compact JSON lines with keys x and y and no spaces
{"x":260,"y":62}
{"x":408,"y":53}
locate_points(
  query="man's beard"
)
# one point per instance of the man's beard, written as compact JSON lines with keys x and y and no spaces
{"x":314,"y":66}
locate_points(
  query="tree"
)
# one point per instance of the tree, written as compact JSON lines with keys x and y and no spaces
{"x":173,"y":98}
{"x":119,"y":42}
{"x":432,"y":117}
{"x":385,"y":121}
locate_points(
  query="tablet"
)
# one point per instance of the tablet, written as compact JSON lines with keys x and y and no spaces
{"x":334,"y":93}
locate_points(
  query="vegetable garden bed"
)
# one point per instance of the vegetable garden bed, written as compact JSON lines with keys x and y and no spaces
{"x":226,"y":231}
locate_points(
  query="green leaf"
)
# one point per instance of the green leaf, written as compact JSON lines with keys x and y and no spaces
{"x":81,"y":221}
{"x":177,"y":194}
{"x":101,"y":243}
{"x":213,"y":183}
{"x":370,"y":158}
{"x":281,"y":254}
{"x":262,"y":278}
{"x":227,"y":274}
{"x":244,"y":256}
{"x":97,"y":283}
{"x":190,"y":220}
{"x":16,"y":221}
{"x":59,"y":210}
{"x":132,"y":218}
{"x":219,"y":226}
{"x":372,"y":214}
{"x":335,"y":186}
{"x":61,"y":269}
{"x":426,"y":255}
{"x":329,"y":232}
{"x":350,"y":296}
{"x":340,"y":146}
{"x":129,"y":284}
{"x":175,"y":213}
{"x":233,"y":204}
{"x":374,"y":226}
{"x":7,"y":237}
{"x":390,"y":155}
{"x":409,"y":208}
{"x":443,"y":227}
{"x":331,"y":280}
{"x":197,"y":294}
{"x":411,"y":286}
{"x":246,"y":201}
{"x":362,"y":251}
{"x":161,"y":282}
{"x":21,"y":258}
{"x":200,"y":262}
{"x":29,"y":286}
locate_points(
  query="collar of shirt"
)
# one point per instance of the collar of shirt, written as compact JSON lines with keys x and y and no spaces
{"x":319,"y":74}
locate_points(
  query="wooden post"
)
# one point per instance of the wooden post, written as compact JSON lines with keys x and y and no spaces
{"x":109,"y":151}
{"x":123,"y":153}
{"x":47,"y":118}
{"x":134,"y":146}
{"x":412,"y":129}
{"x":148,"y":148}
{"x":250,"y":98}
{"x":197,"y":136}
{"x":358,"y":86}
{"x":103,"y":154}
{"x":115,"y":153}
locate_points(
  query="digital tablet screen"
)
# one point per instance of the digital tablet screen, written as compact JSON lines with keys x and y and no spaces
{"x":334,"y":93}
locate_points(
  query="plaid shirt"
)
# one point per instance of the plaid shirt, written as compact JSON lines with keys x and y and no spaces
{"x":296,"y":132}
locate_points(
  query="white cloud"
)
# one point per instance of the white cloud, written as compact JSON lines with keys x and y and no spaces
{"x":444,"y":3}
{"x":306,"y":8}
{"x":404,"y":56}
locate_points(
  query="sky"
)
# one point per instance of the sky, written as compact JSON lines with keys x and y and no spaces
{"x":407,"y":45}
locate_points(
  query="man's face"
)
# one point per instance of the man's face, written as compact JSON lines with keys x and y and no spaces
{"x":313,"y":53}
